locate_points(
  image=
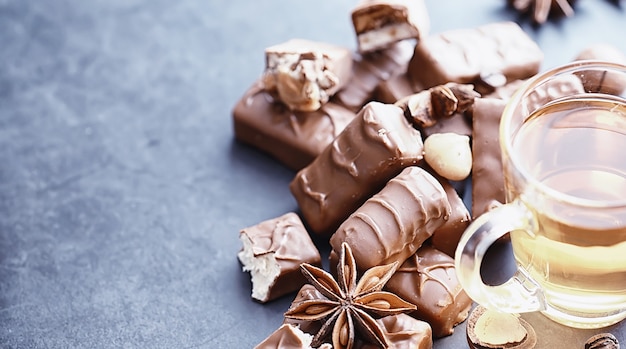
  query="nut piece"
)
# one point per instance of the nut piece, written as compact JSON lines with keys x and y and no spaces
{"x":492,"y":329}
{"x":449,"y":154}
{"x":602,"y":341}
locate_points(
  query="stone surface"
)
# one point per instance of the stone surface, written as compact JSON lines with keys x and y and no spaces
{"x":122,"y":190}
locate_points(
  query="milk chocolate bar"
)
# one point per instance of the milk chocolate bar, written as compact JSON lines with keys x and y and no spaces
{"x":487,"y":175}
{"x":391,"y":225}
{"x":293,"y":138}
{"x":463,"y":55}
{"x":379,"y":23}
{"x":428,"y":280}
{"x":273,"y":251}
{"x":369,"y":69}
{"x":371,"y":150}
{"x":304,"y":74}
{"x":402,"y":331}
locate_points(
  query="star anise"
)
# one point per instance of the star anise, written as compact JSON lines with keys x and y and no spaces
{"x":541,"y":8}
{"x":349,"y":307}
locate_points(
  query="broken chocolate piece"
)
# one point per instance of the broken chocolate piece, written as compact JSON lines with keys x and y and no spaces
{"x":293,"y":138}
{"x":489,"y":329}
{"x":369,"y":69}
{"x":371,"y":150}
{"x":272,"y":252}
{"x":380,"y":23}
{"x":304,"y":74}
{"x":428,"y":280}
{"x":462,"y":55}
{"x":391,"y":225}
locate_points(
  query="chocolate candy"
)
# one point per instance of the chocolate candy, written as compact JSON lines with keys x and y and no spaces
{"x":379,"y":23}
{"x":289,"y":337}
{"x":371,"y":150}
{"x":369,"y":69}
{"x":463,"y":55}
{"x":393,"y":89}
{"x":293,"y":138}
{"x":487,"y":175}
{"x":458,"y":123}
{"x":303,"y":74}
{"x":273,"y":251}
{"x":391,"y":225}
{"x":428,"y":280}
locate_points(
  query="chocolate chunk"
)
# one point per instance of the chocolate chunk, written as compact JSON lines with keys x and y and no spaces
{"x":488,"y":329}
{"x":371,"y":150}
{"x":288,"y":337}
{"x":458,"y":123}
{"x":293,"y":138}
{"x":393,"y":89}
{"x":428,"y":280}
{"x":604,"y":82}
{"x":303,"y":74}
{"x":487,"y":175}
{"x":380,"y":23}
{"x":273,"y":251}
{"x":391,"y":225}
{"x":462,"y":55}
{"x":369,"y":69}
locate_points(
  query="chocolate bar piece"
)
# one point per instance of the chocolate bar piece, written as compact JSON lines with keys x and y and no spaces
{"x":379,"y":23}
{"x":304,"y":74}
{"x":464,"y":55}
{"x":293,"y":138}
{"x":289,"y":337}
{"x":458,"y":123}
{"x":393,"y":89}
{"x":487,"y":175}
{"x":391,"y":225}
{"x":371,"y":150}
{"x":369,"y":69}
{"x":603,"y":81}
{"x":428,"y":280}
{"x":273,"y":251}
{"x":402,"y":331}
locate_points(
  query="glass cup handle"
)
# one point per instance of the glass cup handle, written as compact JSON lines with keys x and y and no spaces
{"x":520,"y":294}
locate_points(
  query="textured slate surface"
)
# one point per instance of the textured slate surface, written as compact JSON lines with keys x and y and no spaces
{"x":121,"y":188}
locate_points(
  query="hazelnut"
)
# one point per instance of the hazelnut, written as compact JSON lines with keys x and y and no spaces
{"x":449,"y":154}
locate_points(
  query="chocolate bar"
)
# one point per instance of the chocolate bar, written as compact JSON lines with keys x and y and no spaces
{"x":402,"y":331}
{"x":458,"y":123}
{"x":289,"y":337}
{"x":603,"y":82}
{"x":371,"y":150}
{"x":273,"y":251}
{"x":304,"y":74}
{"x":464,"y":55}
{"x":391,"y":225}
{"x":393,"y":89}
{"x":380,"y":23}
{"x":369,"y":69}
{"x":293,"y":138}
{"x":428,"y":280}
{"x":487,"y":175}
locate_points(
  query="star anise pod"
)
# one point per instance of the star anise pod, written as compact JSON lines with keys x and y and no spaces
{"x":541,"y":8}
{"x":349,"y":307}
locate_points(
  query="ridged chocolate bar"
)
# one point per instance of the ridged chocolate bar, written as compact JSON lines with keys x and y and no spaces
{"x":293,"y":138}
{"x":370,"y":151}
{"x":391,"y":225}
{"x":463,"y":55}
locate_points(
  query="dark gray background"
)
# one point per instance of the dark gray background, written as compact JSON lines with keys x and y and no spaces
{"x":122,"y":191}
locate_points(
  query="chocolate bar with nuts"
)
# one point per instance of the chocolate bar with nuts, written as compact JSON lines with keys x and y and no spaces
{"x":379,"y":23}
{"x":293,"y":138}
{"x":272,"y":252}
{"x":428,"y":280}
{"x":464,"y":55}
{"x":391,"y":225}
{"x":369,"y":69}
{"x":371,"y":150}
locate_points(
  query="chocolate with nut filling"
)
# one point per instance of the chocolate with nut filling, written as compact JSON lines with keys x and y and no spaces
{"x":293,"y":138}
{"x":273,"y":251}
{"x":463,"y":55}
{"x":391,"y":225}
{"x":369,"y":69}
{"x":428,"y":280}
{"x":379,"y":23}
{"x":371,"y":150}
{"x":304,"y":74}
